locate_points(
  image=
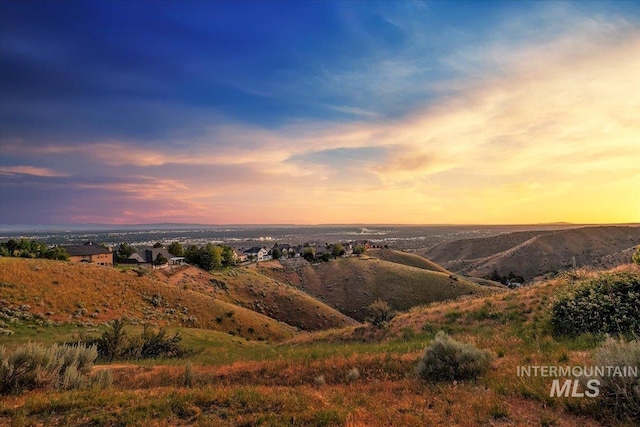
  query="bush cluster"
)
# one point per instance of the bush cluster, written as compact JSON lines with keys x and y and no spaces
{"x":620,"y":394}
{"x":116,"y":344}
{"x":446,"y":359}
{"x":608,"y":304}
{"x":380,"y":313}
{"x":33,"y":366}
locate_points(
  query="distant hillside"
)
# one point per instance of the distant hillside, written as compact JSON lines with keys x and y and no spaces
{"x":405,"y":258}
{"x":532,"y":254}
{"x":351,"y":284}
{"x":248,"y":288}
{"x":76,"y":292}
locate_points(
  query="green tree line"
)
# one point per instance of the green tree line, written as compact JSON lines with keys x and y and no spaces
{"x":26,"y":248}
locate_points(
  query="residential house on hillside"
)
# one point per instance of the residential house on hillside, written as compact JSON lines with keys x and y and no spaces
{"x":240,"y":256}
{"x":289,"y":251}
{"x":90,"y":252}
{"x":152,"y":257}
{"x":256,"y":253}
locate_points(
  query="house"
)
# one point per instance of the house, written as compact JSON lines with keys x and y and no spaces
{"x":286,"y":250}
{"x":297,"y":251}
{"x":256,"y":253}
{"x":240,"y":256}
{"x":149,"y":258}
{"x":90,"y":252}
{"x":348,"y":249}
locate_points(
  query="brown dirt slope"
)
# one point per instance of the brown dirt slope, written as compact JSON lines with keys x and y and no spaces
{"x":74,"y":292}
{"x":602,"y":246}
{"x":412,"y":260}
{"x":248,"y":288}
{"x":351,"y":284}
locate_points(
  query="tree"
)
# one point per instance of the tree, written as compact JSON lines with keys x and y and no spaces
{"x":636,"y":256}
{"x":161,"y":260}
{"x":57,"y":253}
{"x":216,"y":255}
{"x":176,"y":249}
{"x":276,"y":253}
{"x":309,"y":253}
{"x":12,"y":246}
{"x":157,"y":245}
{"x":337,"y":250}
{"x":358,"y":250}
{"x":125,"y":250}
{"x":228,"y":256}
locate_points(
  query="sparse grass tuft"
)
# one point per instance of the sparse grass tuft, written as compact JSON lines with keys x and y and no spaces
{"x":620,"y":394}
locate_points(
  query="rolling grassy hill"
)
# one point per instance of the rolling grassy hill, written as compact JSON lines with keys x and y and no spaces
{"x":82,"y":293}
{"x":413,"y":260}
{"x":404,"y":258}
{"x":308,"y":381}
{"x":352,"y":284}
{"x":532,"y":254}
{"x":248,"y":288}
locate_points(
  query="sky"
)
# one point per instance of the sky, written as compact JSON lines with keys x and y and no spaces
{"x":319,"y":112}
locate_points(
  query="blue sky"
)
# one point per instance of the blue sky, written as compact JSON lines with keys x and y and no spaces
{"x":225,"y":112}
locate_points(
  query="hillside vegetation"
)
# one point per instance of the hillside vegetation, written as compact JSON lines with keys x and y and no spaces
{"x":58,"y":291}
{"x":340,"y":377}
{"x":533,"y":254}
{"x":248,"y":288}
{"x":352,"y":284}
{"x":404,"y":258}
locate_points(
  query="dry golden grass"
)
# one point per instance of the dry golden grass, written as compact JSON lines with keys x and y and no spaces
{"x":352,"y":284}
{"x":286,"y":389}
{"x":249,"y":288}
{"x":412,"y":260}
{"x":76,"y":292}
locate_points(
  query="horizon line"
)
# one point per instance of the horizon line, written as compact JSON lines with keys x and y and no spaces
{"x":87,"y":226}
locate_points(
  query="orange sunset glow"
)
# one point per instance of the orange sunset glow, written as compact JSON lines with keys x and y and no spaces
{"x":537,"y":130}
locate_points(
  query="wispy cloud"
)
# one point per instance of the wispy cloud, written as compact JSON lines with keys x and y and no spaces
{"x":524,"y":129}
{"x":29,"y":170}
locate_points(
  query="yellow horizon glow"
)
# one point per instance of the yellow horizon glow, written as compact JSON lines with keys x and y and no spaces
{"x":555,"y":137}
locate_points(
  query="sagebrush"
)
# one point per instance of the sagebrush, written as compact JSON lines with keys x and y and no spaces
{"x":33,"y":366}
{"x":446,"y":359}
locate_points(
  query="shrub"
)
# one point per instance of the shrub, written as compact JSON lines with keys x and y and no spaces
{"x":446,"y":359}
{"x":33,"y":366}
{"x":380,"y":312}
{"x":353,"y":374}
{"x":620,"y":394}
{"x":609,"y":303}
{"x":158,"y":344}
{"x":319,"y":381}
{"x":636,"y":256}
{"x":115,"y":344}
{"x":112,"y":342}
